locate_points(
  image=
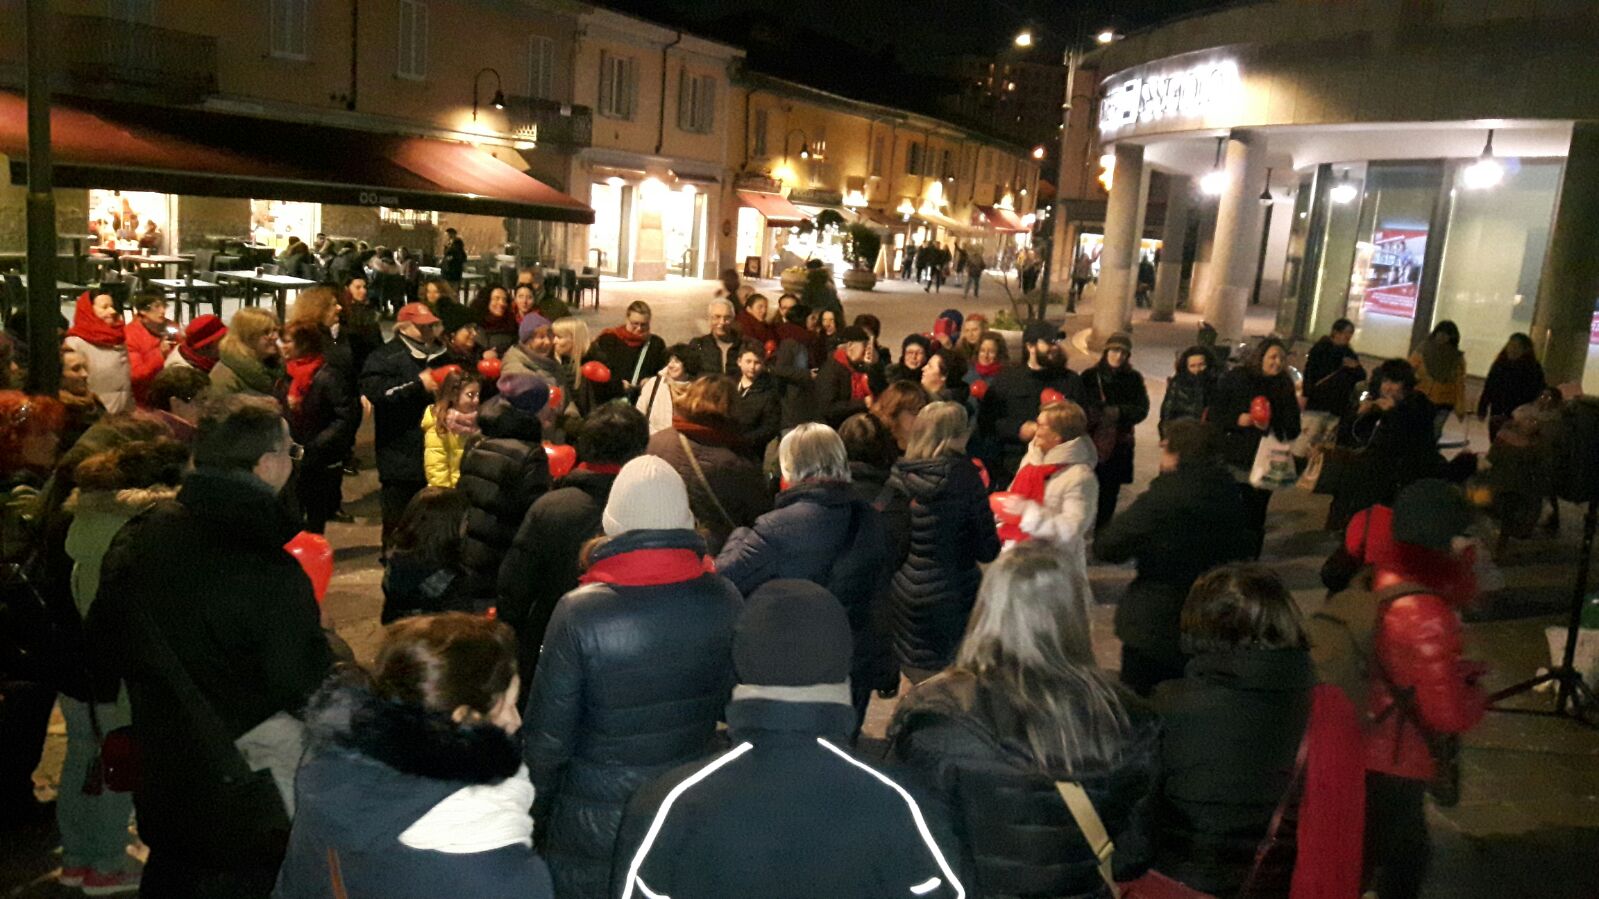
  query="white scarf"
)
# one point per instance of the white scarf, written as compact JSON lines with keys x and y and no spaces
{"x":478,"y":818}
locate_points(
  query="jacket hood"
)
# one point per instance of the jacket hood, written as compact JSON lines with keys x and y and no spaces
{"x":633,"y":541}
{"x":1262,"y":670}
{"x":921,"y":477}
{"x":822,"y":493}
{"x":127,"y":503}
{"x":498,"y":419}
{"x":753,"y":719}
{"x":1077,"y":451}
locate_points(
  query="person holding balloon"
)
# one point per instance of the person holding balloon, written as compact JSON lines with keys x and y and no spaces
{"x":1251,"y":401}
{"x":449,"y":425}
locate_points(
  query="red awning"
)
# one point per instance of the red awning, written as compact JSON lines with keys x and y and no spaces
{"x":998,"y":219}
{"x":185,"y":151}
{"x":779,"y":212}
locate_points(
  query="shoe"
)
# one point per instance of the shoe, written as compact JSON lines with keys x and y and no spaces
{"x":72,"y":877}
{"x":113,"y":884}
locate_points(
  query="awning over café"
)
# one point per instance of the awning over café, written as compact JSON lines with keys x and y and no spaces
{"x":198,"y":152}
{"x":779,"y":212}
{"x":997,"y":218}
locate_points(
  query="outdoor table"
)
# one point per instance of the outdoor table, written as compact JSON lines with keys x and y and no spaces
{"x":430,"y":270}
{"x":278,"y":285}
{"x":470,"y":278}
{"x":64,"y":288}
{"x":195,"y":288}
{"x":131,"y":262}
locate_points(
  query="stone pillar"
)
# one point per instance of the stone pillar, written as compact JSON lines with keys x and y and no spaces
{"x":1570,"y":283}
{"x":1204,"y":248}
{"x":1231,"y":277}
{"x":1118,"y":263}
{"x":1169,"y":273}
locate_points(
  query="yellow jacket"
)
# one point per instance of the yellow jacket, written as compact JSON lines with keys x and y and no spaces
{"x":1450,"y":394}
{"x":441,"y":453}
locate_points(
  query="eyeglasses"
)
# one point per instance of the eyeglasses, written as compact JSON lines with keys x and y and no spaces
{"x":296,"y":452}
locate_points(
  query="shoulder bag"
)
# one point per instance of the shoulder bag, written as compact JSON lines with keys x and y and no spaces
{"x":699,"y":475}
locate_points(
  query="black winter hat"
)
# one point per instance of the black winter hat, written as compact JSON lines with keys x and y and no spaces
{"x":792,"y":633}
{"x":1430,"y":513}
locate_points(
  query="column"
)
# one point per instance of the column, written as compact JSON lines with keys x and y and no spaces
{"x":1204,"y":247}
{"x":1119,"y":261}
{"x":1231,"y":278}
{"x":1169,"y":273}
{"x":1570,"y":282}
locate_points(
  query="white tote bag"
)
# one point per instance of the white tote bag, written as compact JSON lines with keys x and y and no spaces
{"x":1274,"y":465}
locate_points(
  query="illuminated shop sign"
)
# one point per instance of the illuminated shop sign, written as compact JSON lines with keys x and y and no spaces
{"x":1188,"y":92}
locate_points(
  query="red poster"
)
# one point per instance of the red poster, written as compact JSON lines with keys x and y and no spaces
{"x":1393,"y":273}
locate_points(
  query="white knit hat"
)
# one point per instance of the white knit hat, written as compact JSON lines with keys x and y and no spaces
{"x":648,"y":495}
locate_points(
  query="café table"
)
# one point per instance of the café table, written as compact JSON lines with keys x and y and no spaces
{"x":277,"y":285}
{"x":137,"y":263}
{"x":196,"y":289}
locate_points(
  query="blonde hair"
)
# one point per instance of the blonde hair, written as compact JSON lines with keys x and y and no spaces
{"x":576,"y":330}
{"x":940,"y":428}
{"x":1066,"y":419}
{"x":1029,"y":641}
{"x":312,"y":306}
{"x":246,"y":328}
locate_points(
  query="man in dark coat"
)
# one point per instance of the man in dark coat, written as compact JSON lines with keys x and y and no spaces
{"x":399,"y":381}
{"x":718,"y":349}
{"x":843,"y":386}
{"x":502,"y":474}
{"x":630,"y":351}
{"x":453,"y":262}
{"x":1189,"y":521}
{"x":542,"y":564}
{"x":821,"y":532}
{"x":1011,"y":404}
{"x":788,"y":811}
{"x":758,"y":405}
{"x":215,"y":630}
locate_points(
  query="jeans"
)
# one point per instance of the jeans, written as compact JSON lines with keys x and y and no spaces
{"x":974,"y":285}
{"x":94,"y":829}
{"x":1398,"y":848}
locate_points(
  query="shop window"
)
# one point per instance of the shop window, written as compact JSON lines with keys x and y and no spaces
{"x":413,"y":20}
{"x":407,"y":218}
{"x":289,"y":28}
{"x":541,"y":67}
{"x":1391,"y":244}
{"x":1493,"y":255}
{"x":618,"y":85}
{"x":696,"y":102}
{"x":762,"y":122}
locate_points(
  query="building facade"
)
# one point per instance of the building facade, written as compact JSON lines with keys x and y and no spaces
{"x":1013,"y":98}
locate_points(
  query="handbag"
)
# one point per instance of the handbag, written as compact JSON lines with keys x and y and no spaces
{"x":1106,"y":435}
{"x":114,"y":765}
{"x":1274,"y":465}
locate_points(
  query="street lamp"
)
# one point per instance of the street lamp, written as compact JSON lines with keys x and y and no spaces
{"x":1107,"y":36}
{"x":805,"y":147}
{"x":1024,"y":39}
{"x":1343,"y":191}
{"x":498,"y":102}
{"x":1038,"y":152}
{"x":1214,"y":181}
{"x":1486,"y":172}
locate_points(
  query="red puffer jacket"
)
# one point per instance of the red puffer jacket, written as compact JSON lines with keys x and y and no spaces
{"x":1419,"y":644}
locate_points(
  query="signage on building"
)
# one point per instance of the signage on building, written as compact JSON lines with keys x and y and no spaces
{"x":814,"y":197}
{"x":1169,"y":92}
{"x":1392,"y":266}
{"x":757,"y":182}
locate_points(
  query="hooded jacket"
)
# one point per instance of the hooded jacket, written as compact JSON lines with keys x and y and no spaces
{"x":825,"y":823}
{"x":636,"y":668}
{"x":502,"y":475}
{"x":396,"y":801}
{"x":951,"y":531}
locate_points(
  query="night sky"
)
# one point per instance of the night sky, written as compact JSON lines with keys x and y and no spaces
{"x":894,"y":51}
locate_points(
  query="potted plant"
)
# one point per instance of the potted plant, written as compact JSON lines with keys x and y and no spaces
{"x":793,"y":279}
{"x":861,"y":246}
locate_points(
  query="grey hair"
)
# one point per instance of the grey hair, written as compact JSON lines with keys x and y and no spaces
{"x":1029,"y":640}
{"x":813,"y":452}
{"x":721,"y":301}
{"x":940,"y":428}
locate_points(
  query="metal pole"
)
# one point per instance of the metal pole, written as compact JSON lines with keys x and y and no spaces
{"x":44,"y":311}
{"x":1057,"y":221}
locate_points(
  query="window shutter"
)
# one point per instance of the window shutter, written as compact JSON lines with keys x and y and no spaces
{"x":708,"y":104}
{"x":685,"y":100}
{"x":607,"y":91}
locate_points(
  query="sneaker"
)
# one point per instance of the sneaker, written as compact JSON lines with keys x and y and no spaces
{"x":97,"y":884}
{"x":72,"y":877}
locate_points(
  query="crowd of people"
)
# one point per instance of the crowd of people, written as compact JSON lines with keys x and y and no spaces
{"x":597,"y":551}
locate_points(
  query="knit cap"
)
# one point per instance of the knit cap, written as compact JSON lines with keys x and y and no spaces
{"x":203,"y":331}
{"x":526,"y":393}
{"x":647,"y":495}
{"x":1430,"y":513}
{"x":792,"y":633}
{"x":1120,"y":339}
{"x":530,"y":323}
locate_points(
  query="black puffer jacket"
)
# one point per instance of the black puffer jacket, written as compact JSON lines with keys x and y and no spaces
{"x":951,"y":531}
{"x":1186,"y":398}
{"x":636,"y":669}
{"x":758,"y":413}
{"x":1230,"y":732}
{"x":1012,"y":399}
{"x":1121,"y":389}
{"x":542,"y":564}
{"x":1019,"y":838}
{"x":502,"y":475}
{"x":1235,"y":393}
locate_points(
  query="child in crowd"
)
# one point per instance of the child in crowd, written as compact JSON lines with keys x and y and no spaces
{"x":449,"y":425}
{"x":424,"y":573}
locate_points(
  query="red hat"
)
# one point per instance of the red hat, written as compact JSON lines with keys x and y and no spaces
{"x":419,"y":313}
{"x":203,"y":331}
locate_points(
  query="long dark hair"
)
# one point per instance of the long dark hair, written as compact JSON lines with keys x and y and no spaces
{"x":430,"y":531}
{"x":445,"y":661}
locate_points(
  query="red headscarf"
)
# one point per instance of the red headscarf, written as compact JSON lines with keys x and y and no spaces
{"x":91,"y":328}
{"x":620,"y":332}
{"x":860,"y":387}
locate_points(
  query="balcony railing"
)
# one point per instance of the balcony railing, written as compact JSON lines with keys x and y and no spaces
{"x":102,"y":53}
{"x":558,"y":125}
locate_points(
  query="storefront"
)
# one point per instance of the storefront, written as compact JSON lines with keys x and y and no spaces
{"x":1424,"y":171}
{"x":767,"y":221}
{"x":649,"y":226}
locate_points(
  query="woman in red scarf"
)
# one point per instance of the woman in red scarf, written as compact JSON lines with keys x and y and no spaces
{"x":199,"y":346}
{"x":150,"y":340}
{"x":99,"y":336}
{"x":751,"y":321}
{"x":324,"y":414}
{"x":726,"y":489}
{"x":630,"y":351}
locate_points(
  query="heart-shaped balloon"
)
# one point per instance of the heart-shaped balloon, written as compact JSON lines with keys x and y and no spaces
{"x":1049,"y":396}
{"x":489,"y":369}
{"x":996,"y":503}
{"x":444,"y":371}
{"x":1260,"y":411}
{"x":562,"y":459}
{"x":596,"y":371}
{"x":315,"y":555}
{"x":557,"y":399}
{"x":979,"y":389}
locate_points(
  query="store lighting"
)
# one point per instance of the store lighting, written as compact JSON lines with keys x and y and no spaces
{"x":1343,"y":192}
{"x":615,"y":181}
{"x":1024,"y":39}
{"x":1107,"y":170}
{"x":1215,"y":180}
{"x":1107,"y":36}
{"x":498,"y":101}
{"x":906,"y":208}
{"x":1266,"y":198}
{"x":1486,"y":172}
{"x":854,"y":199}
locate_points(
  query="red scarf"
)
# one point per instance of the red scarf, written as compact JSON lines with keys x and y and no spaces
{"x":649,"y":568}
{"x":301,"y":370}
{"x":599,"y":467}
{"x":1030,"y":483}
{"x":987,"y":369}
{"x":1327,"y":863}
{"x":860,"y":387}
{"x":91,"y":328}
{"x":620,"y":332}
{"x":191,"y":356}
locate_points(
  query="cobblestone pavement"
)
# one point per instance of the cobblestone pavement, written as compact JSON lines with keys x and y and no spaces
{"x":1528,"y":821}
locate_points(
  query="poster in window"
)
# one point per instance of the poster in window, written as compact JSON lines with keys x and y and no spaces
{"x":1593,"y":326}
{"x":1393,"y":271}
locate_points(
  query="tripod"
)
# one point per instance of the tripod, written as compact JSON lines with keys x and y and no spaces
{"x":1573,"y":698}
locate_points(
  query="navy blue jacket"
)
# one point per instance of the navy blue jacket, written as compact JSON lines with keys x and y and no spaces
{"x":374,"y":767}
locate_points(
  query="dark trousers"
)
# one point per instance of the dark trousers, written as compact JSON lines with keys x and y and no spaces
{"x":321,"y":490}
{"x":176,"y":877}
{"x":1142,"y":670}
{"x":24,"y":716}
{"x":1255,"y":502}
{"x":1109,"y":491}
{"x":1398,"y":848}
{"x":393,"y":497}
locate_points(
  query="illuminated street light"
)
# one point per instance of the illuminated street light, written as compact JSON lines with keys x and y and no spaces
{"x":1486,"y":172}
{"x":1024,"y":39}
{"x":1342,"y":192}
{"x":1038,"y":152}
{"x":1107,"y":36}
{"x":1215,"y":180}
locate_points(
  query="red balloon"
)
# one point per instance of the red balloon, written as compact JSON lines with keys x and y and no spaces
{"x":1260,"y":411}
{"x":444,"y":371}
{"x":1050,"y":395}
{"x":555,"y":399}
{"x":489,"y":368}
{"x":315,"y":555}
{"x":996,"y":503}
{"x":771,"y":348}
{"x":562,"y":458}
{"x":943,"y":327}
{"x":596,"y":371}
{"x":982,"y":471}
{"x":979,"y":389}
